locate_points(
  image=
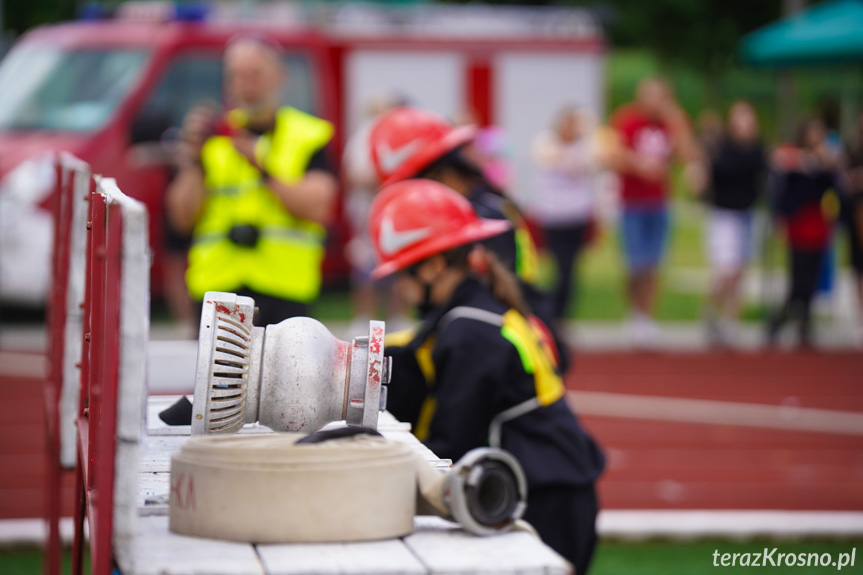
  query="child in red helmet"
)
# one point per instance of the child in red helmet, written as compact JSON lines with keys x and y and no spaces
{"x":479,"y":371}
{"x":413,"y":143}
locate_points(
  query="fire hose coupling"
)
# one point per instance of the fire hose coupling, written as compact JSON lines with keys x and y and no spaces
{"x":486,"y":491}
{"x":291,"y":376}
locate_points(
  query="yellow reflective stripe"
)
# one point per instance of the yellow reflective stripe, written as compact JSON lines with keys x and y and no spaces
{"x":549,"y":385}
{"x":424,"y":420}
{"x":830,"y":205}
{"x":424,"y":360}
{"x":399,"y":338}
{"x":526,"y":256}
{"x":429,"y":406}
{"x":526,"y":265}
{"x":520,"y":346}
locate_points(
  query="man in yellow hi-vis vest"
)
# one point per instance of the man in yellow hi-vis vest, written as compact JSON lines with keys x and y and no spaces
{"x":255,"y":188}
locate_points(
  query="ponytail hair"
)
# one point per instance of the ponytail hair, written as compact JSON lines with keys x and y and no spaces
{"x":504,"y":286}
{"x":484,"y":263}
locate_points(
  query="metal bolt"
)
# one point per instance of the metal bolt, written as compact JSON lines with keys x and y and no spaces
{"x":89,"y":226}
{"x":199,"y":416}
{"x":87,"y":336}
{"x":86,"y":412}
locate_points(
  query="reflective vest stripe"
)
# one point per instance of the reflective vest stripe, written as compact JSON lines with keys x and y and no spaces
{"x":427,"y":410}
{"x":467,"y":312}
{"x":516,"y":411}
{"x":526,"y":266}
{"x":309,"y":236}
{"x":526,"y":256}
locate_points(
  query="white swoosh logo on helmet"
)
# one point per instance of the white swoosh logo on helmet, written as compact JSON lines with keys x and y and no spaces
{"x":392,"y":241}
{"x":390,"y":159}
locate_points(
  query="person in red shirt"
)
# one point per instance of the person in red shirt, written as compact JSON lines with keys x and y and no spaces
{"x":806,"y":184}
{"x":651,"y":132}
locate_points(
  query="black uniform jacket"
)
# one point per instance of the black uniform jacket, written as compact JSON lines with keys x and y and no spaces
{"x":492,"y":206}
{"x":477,"y":374}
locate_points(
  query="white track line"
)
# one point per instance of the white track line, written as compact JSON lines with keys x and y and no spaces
{"x":617,"y":523}
{"x":23,"y":364}
{"x":26,"y":532}
{"x":636,"y":524}
{"x":715,"y":412}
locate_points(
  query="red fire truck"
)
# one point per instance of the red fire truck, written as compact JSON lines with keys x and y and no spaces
{"x":111,"y":90}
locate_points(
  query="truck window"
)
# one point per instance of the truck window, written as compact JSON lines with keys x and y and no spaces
{"x":195,"y":77}
{"x":190,"y":79}
{"x":51,"y":88}
{"x":300,"y":89}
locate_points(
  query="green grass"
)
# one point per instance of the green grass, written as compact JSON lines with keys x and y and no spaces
{"x":28,"y":561}
{"x":696,"y":558}
{"x":602,"y":291}
{"x":332,"y":305}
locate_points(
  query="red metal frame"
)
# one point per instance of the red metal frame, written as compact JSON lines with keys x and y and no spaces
{"x":97,"y":416}
{"x":62,"y":208}
{"x":480,"y":90}
{"x":96,"y":420}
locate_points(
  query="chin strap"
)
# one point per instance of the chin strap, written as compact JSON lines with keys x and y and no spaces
{"x":426,"y":305}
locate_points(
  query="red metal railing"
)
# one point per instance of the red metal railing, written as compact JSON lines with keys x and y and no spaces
{"x":96,"y":418}
{"x":62,"y":197}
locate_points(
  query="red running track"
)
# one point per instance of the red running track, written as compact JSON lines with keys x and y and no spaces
{"x":652,"y":464}
{"x":23,"y":443}
{"x":689,"y":465}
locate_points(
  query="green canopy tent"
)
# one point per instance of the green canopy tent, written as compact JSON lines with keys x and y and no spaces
{"x":826,"y":33}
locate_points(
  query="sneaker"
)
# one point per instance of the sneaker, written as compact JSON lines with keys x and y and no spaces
{"x":643,"y":332}
{"x":715,"y":336}
{"x":727,"y":333}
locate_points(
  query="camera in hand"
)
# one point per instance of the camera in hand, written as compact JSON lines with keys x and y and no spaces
{"x":244,"y":235}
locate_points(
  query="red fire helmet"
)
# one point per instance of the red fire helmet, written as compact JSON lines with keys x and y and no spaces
{"x":406,"y":140}
{"x":415,"y":219}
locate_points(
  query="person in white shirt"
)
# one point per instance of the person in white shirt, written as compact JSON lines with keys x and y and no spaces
{"x":361,"y":185}
{"x":562,"y":200}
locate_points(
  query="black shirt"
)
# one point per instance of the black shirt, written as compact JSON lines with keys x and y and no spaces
{"x":738,"y":172}
{"x":320,"y":160}
{"x":491,"y":206}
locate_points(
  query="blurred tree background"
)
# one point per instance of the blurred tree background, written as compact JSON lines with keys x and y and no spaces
{"x":694,"y":43}
{"x":20,"y":15}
